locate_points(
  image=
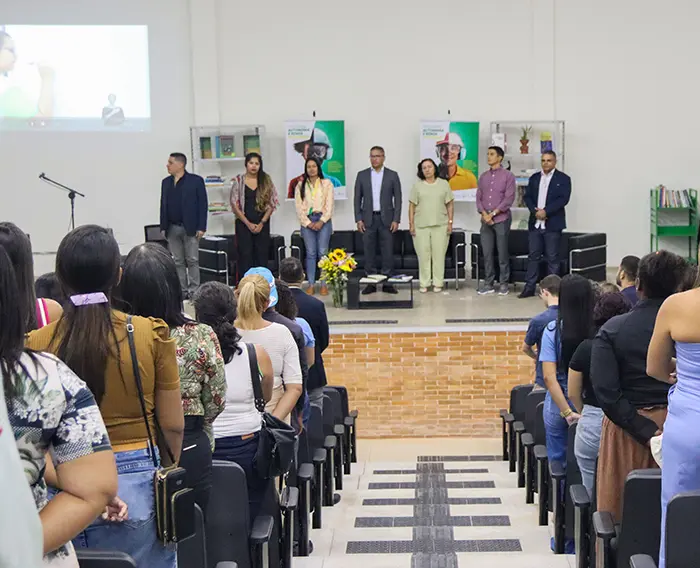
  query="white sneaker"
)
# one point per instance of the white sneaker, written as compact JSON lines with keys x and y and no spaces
{"x":437,"y":290}
{"x":422,"y":290}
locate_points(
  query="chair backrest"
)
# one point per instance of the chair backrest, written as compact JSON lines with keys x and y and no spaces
{"x":103,"y":559}
{"x":228,"y":518}
{"x":151,"y":233}
{"x":539,"y":434}
{"x":531,"y":402}
{"x":640,"y":525}
{"x":192,"y":552}
{"x":682,"y":521}
{"x":336,"y":404}
{"x":344,"y":399}
{"x":573,"y":477}
{"x":328,"y":418}
{"x":518,"y":397}
{"x":315,"y":428}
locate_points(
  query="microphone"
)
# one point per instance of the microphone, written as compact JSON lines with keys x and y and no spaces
{"x":42,"y":175}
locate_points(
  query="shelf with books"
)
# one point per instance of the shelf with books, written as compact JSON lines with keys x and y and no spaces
{"x":673,"y":213}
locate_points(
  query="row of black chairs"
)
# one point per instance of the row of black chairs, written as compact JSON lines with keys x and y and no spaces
{"x":632,"y":540}
{"x":228,"y":538}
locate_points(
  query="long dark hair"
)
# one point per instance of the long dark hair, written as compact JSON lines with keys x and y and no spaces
{"x":19,"y":249}
{"x":150,"y":286}
{"x":263,"y":195}
{"x":575,"y":319}
{"x":13,"y":326}
{"x":215,"y":305}
{"x":286,"y":304}
{"x":302,"y":190}
{"x":87,"y":261}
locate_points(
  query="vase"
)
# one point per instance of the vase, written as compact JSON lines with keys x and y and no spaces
{"x":337,"y":295}
{"x":524,"y":146}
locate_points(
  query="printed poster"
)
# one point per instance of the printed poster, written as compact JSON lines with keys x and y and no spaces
{"x":322,"y":139}
{"x":455,"y":148}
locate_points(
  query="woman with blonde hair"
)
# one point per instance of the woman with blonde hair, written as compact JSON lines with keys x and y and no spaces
{"x":253,"y":295}
{"x":253,"y":201}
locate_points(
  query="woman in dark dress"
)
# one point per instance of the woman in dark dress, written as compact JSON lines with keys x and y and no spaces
{"x":253,"y":200}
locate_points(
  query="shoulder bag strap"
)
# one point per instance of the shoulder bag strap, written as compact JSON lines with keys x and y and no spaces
{"x":255,"y":377}
{"x":142,"y":400}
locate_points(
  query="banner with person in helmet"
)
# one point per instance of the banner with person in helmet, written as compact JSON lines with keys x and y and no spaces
{"x":455,"y":148}
{"x":321,"y":139}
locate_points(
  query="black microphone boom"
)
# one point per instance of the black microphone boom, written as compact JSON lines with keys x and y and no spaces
{"x":71,"y":195}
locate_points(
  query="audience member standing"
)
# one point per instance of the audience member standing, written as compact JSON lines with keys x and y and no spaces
{"x":183,"y":219}
{"x":150,"y":288}
{"x":559,"y":342}
{"x":51,"y":412}
{"x":314,"y":197}
{"x":37,"y":312}
{"x":237,"y":428}
{"x":546,"y":196}
{"x":314,"y":312}
{"x":287,"y":307}
{"x":430,"y":218}
{"x":253,"y":295}
{"x":676,"y":336}
{"x":91,"y":338}
{"x":549,"y":292}
{"x":627,"y":278}
{"x":633,"y":402}
{"x":494,"y":198}
{"x":253,"y":200}
{"x":581,"y":392}
{"x":378,"y":214}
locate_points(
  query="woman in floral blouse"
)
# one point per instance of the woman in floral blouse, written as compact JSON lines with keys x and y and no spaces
{"x":150,"y":287}
{"x":52,"y":411}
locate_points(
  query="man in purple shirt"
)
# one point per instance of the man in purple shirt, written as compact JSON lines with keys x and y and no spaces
{"x":494,"y":198}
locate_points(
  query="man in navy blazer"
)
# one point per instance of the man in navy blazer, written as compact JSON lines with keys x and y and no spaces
{"x":313,"y":311}
{"x":547,"y":194}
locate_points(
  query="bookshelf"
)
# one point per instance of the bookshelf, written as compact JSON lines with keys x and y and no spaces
{"x":673,"y":213}
{"x":218,"y":155}
{"x":523,"y":155}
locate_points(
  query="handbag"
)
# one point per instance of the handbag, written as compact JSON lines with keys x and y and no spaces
{"x":275,"y":452}
{"x":174,"y":500}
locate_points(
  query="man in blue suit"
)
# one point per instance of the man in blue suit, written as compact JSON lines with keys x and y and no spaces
{"x":547,"y":194}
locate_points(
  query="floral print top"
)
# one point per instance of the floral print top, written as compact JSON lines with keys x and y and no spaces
{"x":55,"y":412}
{"x":202,"y":374}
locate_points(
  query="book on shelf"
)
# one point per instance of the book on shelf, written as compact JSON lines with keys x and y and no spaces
{"x":214,"y":180}
{"x":205,"y":147}
{"x":224,"y":147}
{"x":251,"y":143}
{"x":674,"y":198}
{"x":546,"y":143}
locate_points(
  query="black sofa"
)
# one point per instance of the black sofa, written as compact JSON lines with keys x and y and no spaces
{"x":581,"y":253}
{"x":218,"y":259}
{"x":405,"y":257}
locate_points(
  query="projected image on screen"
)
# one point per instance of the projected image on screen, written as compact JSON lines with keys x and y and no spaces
{"x":74,"y":78}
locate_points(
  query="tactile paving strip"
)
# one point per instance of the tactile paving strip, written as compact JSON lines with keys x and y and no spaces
{"x":447,"y":485}
{"x":431,"y":547}
{"x":414,"y":471}
{"x":434,"y":515}
{"x":451,"y":501}
{"x":459,"y":458}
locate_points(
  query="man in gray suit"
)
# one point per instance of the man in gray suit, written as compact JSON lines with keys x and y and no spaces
{"x":378,"y":214}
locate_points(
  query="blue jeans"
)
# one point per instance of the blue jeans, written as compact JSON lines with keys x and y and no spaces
{"x":556,"y":431}
{"x":242,"y":452}
{"x":587,"y":444}
{"x":541,"y":243}
{"x":137,"y":535}
{"x":316,"y":244}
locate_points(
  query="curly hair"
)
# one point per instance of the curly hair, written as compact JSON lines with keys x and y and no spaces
{"x":215,"y":305}
{"x":609,"y":305}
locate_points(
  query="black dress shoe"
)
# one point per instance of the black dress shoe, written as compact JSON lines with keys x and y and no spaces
{"x":336,"y":498}
{"x":369,"y":289}
{"x":389,"y":289}
{"x":527,"y":294}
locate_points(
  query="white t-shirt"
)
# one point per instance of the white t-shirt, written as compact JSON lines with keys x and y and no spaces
{"x":279,"y":343}
{"x":239,"y":417}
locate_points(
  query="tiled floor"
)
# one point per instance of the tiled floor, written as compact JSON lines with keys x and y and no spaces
{"x":428,"y":524}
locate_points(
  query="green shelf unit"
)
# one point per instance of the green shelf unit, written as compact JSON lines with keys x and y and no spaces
{"x":684,"y":223}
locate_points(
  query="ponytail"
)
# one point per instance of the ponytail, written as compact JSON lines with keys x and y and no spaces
{"x":215,"y":306}
{"x":247,"y":308}
{"x":253,"y":298}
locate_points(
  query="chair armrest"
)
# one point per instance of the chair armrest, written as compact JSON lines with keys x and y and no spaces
{"x":519,"y":427}
{"x":289,"y":498}
{"x":527,"y":439}
{"x":226,"y":564}
{"x":502,"y":413}
{"x":349,"y":421}
{"x":556,"y":470}
{"x":306,"y":471}
{"x":642,"y":561}
{"x":354,"y":413}
{"x":579,"y":496}
{"x":604,"y":525}
{"x":319,"y":455}
{"x":540,"y":452}
{"x":330,"y":442}
{"x":262,"y":529}
{"x":339,"y":430}
{"x":509,"y":418}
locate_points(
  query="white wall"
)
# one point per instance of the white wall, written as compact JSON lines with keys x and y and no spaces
{"x":621,"y":74}
{"x":119,"y":172}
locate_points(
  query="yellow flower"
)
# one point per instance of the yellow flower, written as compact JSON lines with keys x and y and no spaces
{"x":340,"y":254}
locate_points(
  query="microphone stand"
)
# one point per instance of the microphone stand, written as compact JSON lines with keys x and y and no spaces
{"x":71,"y":195}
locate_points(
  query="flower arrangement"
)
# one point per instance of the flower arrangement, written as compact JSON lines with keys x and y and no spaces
{"x":335,"y":267}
